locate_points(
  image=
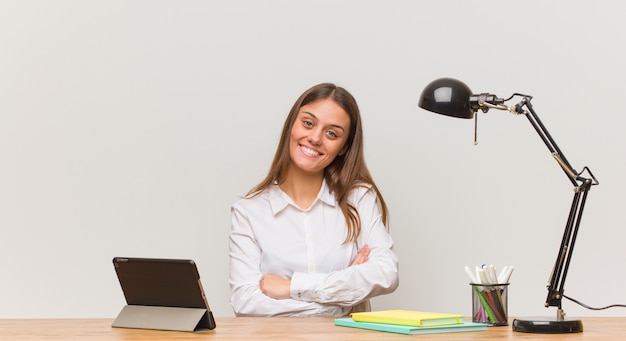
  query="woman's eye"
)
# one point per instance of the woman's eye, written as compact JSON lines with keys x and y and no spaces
{"x":307,"y":123}
{"x":332,"y":134}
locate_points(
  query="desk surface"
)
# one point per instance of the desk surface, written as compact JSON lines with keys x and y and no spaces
{"x":277,"y":328}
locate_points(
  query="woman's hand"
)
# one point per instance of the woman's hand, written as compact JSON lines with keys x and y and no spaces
{"x":362,"y":255}
{"x":275,"y":287}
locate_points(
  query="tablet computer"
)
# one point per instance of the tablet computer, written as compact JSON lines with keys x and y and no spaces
{"x":162,"y":294}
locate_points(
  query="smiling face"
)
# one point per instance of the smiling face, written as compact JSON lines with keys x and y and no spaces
{"x":318,"y":135}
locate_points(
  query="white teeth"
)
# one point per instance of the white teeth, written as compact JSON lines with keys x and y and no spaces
{"x":309,"y":151}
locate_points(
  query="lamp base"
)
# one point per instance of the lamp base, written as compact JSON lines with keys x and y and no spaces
{"x":547,"y":326}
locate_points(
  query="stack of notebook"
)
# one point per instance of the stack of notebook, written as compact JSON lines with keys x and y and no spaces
{"x":410,"y":322}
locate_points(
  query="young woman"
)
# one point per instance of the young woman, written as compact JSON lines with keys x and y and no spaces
{"x":311,"y":238}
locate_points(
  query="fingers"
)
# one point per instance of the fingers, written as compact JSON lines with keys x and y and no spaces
{"x":362,"y":255}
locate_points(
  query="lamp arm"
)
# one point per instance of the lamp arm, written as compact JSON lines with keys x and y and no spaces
{"x":561,"y":265}
{"x":518,"y":109}
{"x":548,"y":140}
{"x":582,"y":185}
{"x":581,"y":189}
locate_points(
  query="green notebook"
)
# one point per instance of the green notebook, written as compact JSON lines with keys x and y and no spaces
{"x":412,"y":330}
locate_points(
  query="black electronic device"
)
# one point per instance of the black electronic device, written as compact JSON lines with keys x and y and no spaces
{"x":164,"y":294}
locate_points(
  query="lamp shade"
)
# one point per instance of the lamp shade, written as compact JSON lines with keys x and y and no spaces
{"x":447,"y":96}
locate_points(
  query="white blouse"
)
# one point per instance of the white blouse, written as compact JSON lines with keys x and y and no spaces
{"x":270,"y":234}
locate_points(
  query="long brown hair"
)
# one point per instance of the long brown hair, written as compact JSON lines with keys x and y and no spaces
{"x":346,"y":172}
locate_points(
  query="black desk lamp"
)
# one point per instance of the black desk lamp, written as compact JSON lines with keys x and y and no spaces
{"x":451,"y":97}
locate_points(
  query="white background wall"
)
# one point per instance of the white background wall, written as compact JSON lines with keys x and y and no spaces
{"x":128,"y":128}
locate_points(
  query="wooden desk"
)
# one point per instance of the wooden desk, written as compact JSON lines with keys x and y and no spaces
{"x":276,"y":328}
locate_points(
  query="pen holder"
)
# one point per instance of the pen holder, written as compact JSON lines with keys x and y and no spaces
{"x":489,"y":304}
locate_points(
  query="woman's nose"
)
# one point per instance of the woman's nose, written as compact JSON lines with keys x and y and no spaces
{"x":315,"y":137}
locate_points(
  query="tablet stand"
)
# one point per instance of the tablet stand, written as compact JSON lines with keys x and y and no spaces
{"x":164,"y":318}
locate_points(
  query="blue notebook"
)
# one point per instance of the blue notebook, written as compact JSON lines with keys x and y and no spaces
{"x":412,"y":330}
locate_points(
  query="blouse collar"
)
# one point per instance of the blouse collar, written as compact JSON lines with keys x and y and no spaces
{"x":279,"y":199}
